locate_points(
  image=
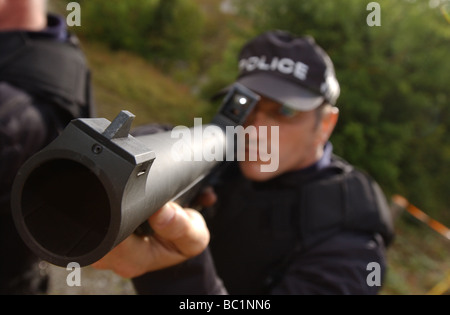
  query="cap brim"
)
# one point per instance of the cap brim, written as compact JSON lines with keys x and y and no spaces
{"x":282,"y":91}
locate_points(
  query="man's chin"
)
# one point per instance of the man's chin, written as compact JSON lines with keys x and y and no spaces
{"x":252,"y":171}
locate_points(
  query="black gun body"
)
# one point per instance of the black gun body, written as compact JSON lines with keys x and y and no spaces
{"x":95,"y":184}
{"x":74,"y":203}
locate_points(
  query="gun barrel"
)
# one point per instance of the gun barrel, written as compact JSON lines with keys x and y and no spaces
{"x":95,"y":184}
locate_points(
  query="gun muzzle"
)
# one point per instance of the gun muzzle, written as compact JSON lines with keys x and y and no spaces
{"x":95,"y":184}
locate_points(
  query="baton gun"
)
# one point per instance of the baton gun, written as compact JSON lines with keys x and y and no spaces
{"x":95,"y":184}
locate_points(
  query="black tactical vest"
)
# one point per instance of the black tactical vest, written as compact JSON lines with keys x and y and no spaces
{"x":51,"y":76}
{"x":255,"y":227}
{"x":52,"y":72}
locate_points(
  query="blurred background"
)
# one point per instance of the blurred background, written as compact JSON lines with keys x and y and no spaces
{"x":163,"y":60}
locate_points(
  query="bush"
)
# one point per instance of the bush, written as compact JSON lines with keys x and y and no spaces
{"x":165,"y":31}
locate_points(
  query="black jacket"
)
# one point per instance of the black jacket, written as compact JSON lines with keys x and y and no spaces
{"x":316,"y":231}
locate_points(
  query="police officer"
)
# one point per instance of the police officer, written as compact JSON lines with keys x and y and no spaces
{"x":44,"y":83}
{"x":312,"y":226}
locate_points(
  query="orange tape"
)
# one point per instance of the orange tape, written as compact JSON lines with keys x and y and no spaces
{"x":422,"y":216}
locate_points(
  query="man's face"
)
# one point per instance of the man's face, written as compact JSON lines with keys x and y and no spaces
{"x":302,"y":136}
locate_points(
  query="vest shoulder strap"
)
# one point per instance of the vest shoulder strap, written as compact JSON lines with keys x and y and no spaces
{"x":54,"y":71}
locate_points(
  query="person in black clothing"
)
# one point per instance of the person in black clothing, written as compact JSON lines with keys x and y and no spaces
{"x":44,"y":83}
{"x":315,"y":225}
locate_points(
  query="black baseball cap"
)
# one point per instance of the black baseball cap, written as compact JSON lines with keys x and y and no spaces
{"x":291,"y":70}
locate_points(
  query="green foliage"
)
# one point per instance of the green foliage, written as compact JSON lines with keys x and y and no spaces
{"x":164,"y":31}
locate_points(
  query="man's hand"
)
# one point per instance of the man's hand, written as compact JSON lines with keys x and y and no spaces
{"x":179,"y":234}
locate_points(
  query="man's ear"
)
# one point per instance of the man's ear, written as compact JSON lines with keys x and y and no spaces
{"x":329,"y":120}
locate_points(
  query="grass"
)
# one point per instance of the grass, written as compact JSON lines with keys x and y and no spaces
{"x":418,"y":260}
{"x":123,"y":81}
